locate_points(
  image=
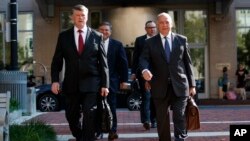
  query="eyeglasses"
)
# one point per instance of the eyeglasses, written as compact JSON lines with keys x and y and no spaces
{"x":151,"y":27}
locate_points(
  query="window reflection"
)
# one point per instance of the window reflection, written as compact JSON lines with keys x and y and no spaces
{"x":195,"y":26}
{"x":242,"y":17}
{"x":243,"y":36}
{"x":65,"y":20}
{"x":25,"y":38}
{"x":2,"y":52}
{"x":25,"y":21}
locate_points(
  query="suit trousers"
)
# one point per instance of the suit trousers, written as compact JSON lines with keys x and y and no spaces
{"x":111,"y":98}
{"x":80,"y":113}
{"x":147,"y":111}
{"x":178,"y":106}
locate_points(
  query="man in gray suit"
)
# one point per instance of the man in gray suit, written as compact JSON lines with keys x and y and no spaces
{"x":147,"y":110}
{"x":171,"y":77}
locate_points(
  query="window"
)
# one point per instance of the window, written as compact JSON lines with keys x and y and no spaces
{"x":243,"y":36}
{"x":195,"y":28}
{"x":193,"y":24}
{"x":65,"y":20}
{"x":94,"y":19}
{"x":2,"y":50}
{"x":25,"y":38}
{"x":2,"y":43}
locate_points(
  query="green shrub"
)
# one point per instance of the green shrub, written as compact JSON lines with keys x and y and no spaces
{"x":14,"y":105}
{"x":32,"y":131}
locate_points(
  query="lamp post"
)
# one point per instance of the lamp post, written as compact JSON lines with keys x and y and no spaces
{"x":13,"y":35}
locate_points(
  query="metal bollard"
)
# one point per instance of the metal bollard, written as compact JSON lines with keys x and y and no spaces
{"x":30,"y":104}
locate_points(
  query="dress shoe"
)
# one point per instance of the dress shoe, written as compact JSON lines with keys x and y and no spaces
{"x":153,"y":125}
{"x":146,"y":125}
{"x":98,"y":136}
{"x":112,"y":136}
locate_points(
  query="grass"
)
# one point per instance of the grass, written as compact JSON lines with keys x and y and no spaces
{"x":32,"y":131}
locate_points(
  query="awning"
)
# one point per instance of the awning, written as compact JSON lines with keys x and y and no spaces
{"x":47,"y":6}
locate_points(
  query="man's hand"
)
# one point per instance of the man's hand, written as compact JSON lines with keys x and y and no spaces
{"x":104,"y":92}
{"x":147,"y":75}
{"x":192,"y":91}
{"x":147,"y":86}
{"x":55,"y":88}
{"x":133,"y":76}
{"x":124,"y":85}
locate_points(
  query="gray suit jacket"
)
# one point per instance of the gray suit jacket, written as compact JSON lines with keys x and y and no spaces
{"x":179,"y":69}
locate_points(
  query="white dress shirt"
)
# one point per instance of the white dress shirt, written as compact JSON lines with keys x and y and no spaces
{"x":106,"y":45}
{"x":169,"y":38}
{"x":76,"y":34}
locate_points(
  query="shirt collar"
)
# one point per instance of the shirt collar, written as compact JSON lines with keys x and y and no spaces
{"x":106,"y":41}
{"x":148,"y":36}
{"x":168,"y":36}
{"x":84,"y":29}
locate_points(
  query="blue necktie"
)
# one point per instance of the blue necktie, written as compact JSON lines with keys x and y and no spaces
{"x":167,"y":49}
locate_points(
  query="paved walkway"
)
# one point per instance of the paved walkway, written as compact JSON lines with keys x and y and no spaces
{"x":215,"y":122}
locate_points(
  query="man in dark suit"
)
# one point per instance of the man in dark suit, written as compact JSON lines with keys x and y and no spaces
{"x":171,"y":77}
{"x":86,"y":73}
{"x":147,"y":110}
{"x":118,"y":72}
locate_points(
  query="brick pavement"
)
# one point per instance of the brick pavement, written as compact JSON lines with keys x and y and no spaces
{"x":215,"y":122}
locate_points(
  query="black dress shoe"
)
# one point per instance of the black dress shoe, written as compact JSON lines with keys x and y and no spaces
{"x":98,"y":136}
{"x":146,"y":125}
{"x":153,"y":125}
{"x":112,"y":136}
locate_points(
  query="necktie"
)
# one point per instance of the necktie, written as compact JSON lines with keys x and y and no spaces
{"x":80,"y":42}
{"x":167,"y":49}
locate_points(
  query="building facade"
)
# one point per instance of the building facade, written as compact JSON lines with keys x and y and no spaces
{"x":216,"y":31}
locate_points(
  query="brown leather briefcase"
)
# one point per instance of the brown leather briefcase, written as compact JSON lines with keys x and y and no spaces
{"x":192,"y":115}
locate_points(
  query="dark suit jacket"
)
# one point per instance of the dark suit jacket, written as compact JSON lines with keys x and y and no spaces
{"x":87,"y":72}
{"x":118,"y":64}
{"x":139,"y":44}
{"x":179,"y":69}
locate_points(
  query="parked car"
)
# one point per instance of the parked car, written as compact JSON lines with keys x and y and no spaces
{"x":132,"y":97}
{"x":47,"y":101}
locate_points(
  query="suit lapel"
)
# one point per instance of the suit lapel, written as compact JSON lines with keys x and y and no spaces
{"x":87,"y":41}
{"x":72,"y":40}
{"x":87,"y":35}
{"x":144,"y":37}
{"x":174,"y":45}
{"x":160,"y":46}
{"x":109,"y":47}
